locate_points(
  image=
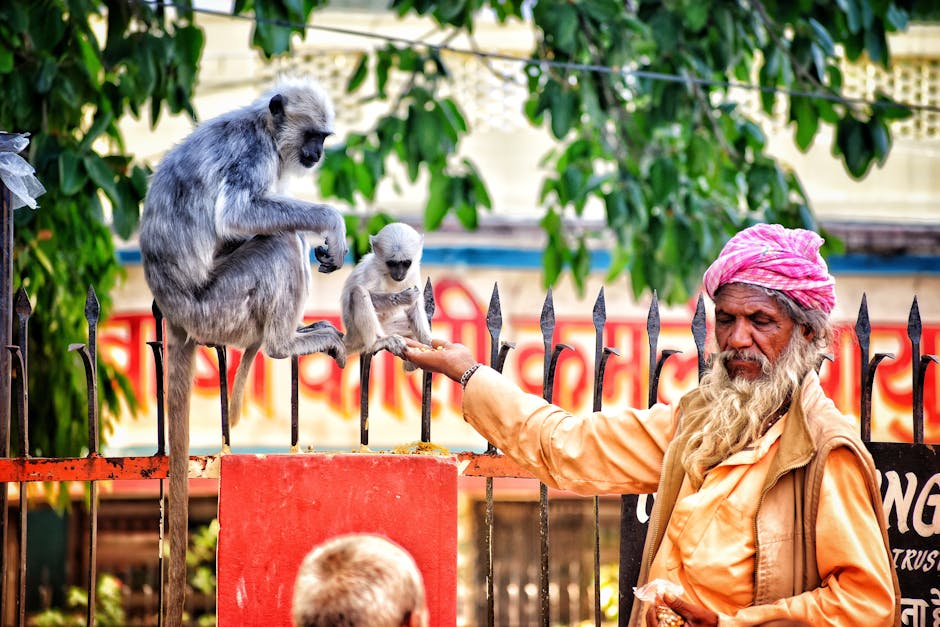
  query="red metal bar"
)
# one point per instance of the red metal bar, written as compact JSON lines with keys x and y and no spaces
{"x":487,"y":465}
{"x":20,"y":469}
{"x":16,"y":470}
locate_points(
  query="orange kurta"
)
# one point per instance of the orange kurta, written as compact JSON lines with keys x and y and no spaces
{"x":709,"y":545}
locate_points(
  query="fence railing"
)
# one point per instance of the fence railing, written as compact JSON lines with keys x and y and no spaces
{"x":94,"y":468}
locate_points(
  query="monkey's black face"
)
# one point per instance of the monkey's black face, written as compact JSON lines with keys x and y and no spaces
{"x":311,"y":150}
{"x":398,"y":268}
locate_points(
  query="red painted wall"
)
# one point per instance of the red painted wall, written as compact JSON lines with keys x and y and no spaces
{"x":273,"y":509}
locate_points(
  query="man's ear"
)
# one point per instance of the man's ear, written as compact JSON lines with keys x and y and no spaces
{"x":415,"y":619}
{"x":808,"y":333}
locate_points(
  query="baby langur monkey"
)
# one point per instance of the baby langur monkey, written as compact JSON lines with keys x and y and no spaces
{"x":381,"y":300}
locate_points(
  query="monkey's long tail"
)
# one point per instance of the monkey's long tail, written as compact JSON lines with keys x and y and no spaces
{"x":238,"y":387}
{"x":180,"y":369}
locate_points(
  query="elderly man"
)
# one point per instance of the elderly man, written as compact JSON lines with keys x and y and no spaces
{"x":767,"y":506}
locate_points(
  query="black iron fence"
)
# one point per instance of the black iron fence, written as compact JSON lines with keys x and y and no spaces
{"x":496,"y":589}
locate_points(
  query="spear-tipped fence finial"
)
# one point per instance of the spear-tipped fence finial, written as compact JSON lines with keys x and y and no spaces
{"x":429,"y":308}
{"x":699,"y":331}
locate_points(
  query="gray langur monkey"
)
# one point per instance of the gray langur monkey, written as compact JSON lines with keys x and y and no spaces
{"x":226,"y":258}
{"x":381,"y":299}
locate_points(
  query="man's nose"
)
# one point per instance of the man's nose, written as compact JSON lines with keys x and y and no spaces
{"x":740,"y":336}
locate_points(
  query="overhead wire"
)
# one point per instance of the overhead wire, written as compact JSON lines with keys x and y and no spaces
{"x":563,"y":65}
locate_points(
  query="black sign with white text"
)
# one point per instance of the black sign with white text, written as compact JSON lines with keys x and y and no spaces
{"x":909,"y":476}
{"x":909,"y":479}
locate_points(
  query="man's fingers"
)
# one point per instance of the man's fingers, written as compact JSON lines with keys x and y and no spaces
{"x":414,"y":347}
{"x":676,"y":603}
{"x":416,"y":344}
{"x":694,"y":614}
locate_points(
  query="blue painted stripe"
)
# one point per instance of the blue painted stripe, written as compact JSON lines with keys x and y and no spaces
{"x":129,"y":256}
{"x":859,"y":263}
{"x":528,"y":259}
{"x":493,"y":257}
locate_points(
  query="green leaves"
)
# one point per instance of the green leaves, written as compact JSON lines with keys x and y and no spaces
{"x":852,"y":141}
{"x":822,"y":37}
{"x":664,"y":180}
{"x":424,"y":139}
{"x":683,"y":167}
{"x":861,"y":142}
{"x":564,"y":109}
{"x":67,"y":91}
{"x":188,"y":44}
{"x":359,"y":74}
{"x":72,"y":175}
{"x":559,"y":23}
{"x":803,"y":112}
{"x":275,"y":23}
{"x":100,"y":173}
{"x":461,"y":194}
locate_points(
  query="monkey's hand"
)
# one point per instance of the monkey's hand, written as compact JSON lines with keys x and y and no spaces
{"x":407,"y":296}
{"x":394,"y":343}
{"x":319,"y":324}
{"x":338,"y":353}
{"x":332,"y":253}
{"x":321,"y":337}
{"x":329,"y":257}
{"x":386,"y":301}
{"x":424,"y":336}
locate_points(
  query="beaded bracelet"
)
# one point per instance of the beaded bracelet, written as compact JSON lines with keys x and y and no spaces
{"x":467,"y":374}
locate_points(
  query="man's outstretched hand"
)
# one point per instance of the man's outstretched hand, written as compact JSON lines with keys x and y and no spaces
{"x":441,"y":356}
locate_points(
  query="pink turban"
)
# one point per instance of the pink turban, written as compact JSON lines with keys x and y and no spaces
{"x":777,"y":258}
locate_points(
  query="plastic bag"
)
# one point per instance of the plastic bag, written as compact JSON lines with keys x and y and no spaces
{"x":653,"y":592}
{"x":16,"y":173}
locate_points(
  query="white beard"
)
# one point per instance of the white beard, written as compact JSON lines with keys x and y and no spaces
{"x":737,"y":411}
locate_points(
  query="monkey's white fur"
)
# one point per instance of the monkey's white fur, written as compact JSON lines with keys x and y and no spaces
{"x":381,"y":299}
